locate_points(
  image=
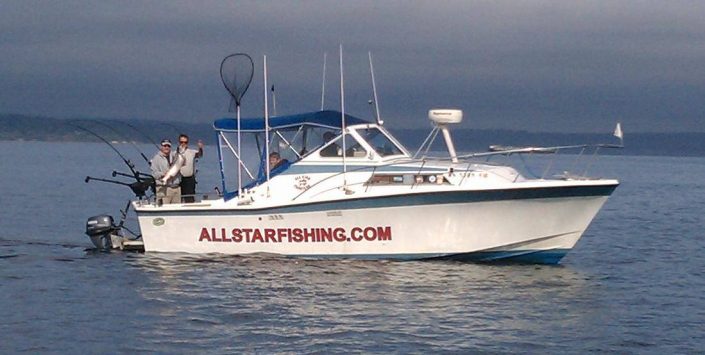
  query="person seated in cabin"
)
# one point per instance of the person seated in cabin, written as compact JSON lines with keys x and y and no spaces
{"x":332,"y":150}
{"x":276,"y":163}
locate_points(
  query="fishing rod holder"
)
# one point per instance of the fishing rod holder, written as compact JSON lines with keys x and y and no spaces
{"x":116,"y":173}
{"x":139,"y":187}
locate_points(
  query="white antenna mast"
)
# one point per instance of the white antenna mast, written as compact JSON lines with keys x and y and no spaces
{"x":342,"y":116}
{"x":266,"y":123}
{"x":323,"y":84}
{"x":374,"y":91}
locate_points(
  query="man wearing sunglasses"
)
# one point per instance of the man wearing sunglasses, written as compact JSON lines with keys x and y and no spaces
{"x":188,"y":170}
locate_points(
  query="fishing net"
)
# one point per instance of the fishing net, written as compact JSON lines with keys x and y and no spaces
{"x":236,"y":71}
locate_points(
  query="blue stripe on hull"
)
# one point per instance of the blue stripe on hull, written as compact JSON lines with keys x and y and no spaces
{"x":552,"y":256}
{"x":415,"y":199}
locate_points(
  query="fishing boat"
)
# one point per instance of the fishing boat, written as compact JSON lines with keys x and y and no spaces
{"x":345,"y":187}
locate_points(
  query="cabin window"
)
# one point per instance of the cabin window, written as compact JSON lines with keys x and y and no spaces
{"x":353,"y":148}
{"x":380,"y":142}
{"x":332,"y":149}
{"x":288,"y":143}
{"x":315,"y":137}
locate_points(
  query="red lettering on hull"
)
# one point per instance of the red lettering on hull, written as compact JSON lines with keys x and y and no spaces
{"x":204,"y":235}
{"x":296,"y":235}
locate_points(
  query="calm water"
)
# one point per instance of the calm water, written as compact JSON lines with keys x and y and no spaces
{"x":634,"y":284}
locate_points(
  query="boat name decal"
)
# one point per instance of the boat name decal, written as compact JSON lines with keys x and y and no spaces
{"x":302,"y":182}
{"x":295,"y":235}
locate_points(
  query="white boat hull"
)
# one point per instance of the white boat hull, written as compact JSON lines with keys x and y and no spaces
{"x":520,"y":229}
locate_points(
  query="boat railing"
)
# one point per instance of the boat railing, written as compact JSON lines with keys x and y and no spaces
{"x":373,"y":169}
{"x":468,"y":162}
{"x":185,"y":199}
{"x":572,"y":172}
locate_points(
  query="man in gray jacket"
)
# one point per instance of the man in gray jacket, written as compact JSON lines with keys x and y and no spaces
{"x":168,"y":191}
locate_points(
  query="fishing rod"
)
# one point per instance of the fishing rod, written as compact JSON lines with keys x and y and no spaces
{"x":127,"y":162}
{"x":141,"y":184}
{"x":121,"y":135}
{"x":176,"y":129}
{"x":140,"y":132}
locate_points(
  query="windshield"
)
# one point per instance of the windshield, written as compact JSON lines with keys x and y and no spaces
{"x":379,"y":142}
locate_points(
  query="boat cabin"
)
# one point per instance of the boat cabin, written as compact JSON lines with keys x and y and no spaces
{"x":300,"y":142}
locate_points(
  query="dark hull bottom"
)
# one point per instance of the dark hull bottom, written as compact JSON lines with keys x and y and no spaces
{"x":551,"y":257}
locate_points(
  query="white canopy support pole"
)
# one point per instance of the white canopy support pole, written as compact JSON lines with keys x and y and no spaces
{"x":239,"y":161}
{"x":221,"y":137}
{"x":323,"y":83}
{"x":266,"y":122}
{"x":288,"y":144}
{"x":239,"y":155}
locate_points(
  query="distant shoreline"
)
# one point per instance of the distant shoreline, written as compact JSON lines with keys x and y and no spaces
{"x":44,"y":129}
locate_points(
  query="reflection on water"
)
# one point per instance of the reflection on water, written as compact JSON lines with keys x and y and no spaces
{"x":283,"y":301}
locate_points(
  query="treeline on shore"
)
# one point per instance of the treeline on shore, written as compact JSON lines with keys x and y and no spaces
{"x":21,"y":127}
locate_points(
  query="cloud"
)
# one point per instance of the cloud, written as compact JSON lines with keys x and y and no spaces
{"x":536,"y":65}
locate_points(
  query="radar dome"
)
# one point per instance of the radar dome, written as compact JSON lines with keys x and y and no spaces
{"x":445,"y":116}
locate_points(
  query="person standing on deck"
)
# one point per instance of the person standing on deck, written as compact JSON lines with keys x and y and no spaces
{"x":169,"y":191}
{"x":188,"y":170}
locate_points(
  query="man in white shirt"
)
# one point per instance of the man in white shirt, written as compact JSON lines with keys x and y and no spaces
{"x":188,"y":170}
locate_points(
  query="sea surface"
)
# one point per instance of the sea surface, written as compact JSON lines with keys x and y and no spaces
{"x":635,"y":283}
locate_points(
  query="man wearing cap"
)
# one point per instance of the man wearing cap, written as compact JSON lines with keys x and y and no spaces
{"x":169,"y":191}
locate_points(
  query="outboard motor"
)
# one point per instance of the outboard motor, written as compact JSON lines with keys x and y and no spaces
{"x":99,"y":229}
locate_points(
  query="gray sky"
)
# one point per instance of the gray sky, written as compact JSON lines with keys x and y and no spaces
{"x":535,"y":65}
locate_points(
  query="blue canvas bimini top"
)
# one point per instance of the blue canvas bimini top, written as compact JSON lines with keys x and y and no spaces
{"x":326,"y":119}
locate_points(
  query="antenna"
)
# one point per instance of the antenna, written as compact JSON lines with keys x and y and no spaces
{"x":374,"y":91}
{"x":342,"y":115}
{"x":266,"y":122}
{"x":236,"y":71}
{"x":323,"y":83}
